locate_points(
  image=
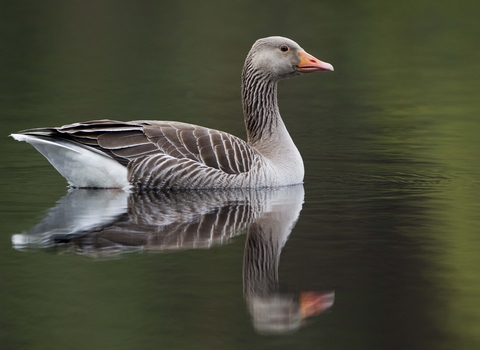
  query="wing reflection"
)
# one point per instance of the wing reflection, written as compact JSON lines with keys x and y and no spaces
{"x":106,"y":223}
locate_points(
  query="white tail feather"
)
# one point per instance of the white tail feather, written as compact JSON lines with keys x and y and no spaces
{"x":81,"y":166}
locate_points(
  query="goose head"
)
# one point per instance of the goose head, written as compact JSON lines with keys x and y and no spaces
{"x":279,"y":58}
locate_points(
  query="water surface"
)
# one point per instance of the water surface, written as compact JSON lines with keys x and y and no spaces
{"x":390,"y":140}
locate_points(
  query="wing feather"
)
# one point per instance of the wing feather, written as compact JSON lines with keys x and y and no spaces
{"x":213,"y":148}
{"x":130,"y":141}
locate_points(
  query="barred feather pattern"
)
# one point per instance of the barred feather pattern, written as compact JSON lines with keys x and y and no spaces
{"x":260,"y":106}
{"x":169,"y":155}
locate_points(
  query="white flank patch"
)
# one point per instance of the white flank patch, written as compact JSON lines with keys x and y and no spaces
{"x":81,"y":166}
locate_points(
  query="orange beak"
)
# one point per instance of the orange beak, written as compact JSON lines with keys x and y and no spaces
{"x":309,"y":64}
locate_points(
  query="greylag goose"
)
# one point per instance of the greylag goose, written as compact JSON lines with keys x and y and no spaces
{"x":148,"y":154}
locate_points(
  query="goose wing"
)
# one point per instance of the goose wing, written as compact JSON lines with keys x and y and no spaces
{"x":128,"y":141}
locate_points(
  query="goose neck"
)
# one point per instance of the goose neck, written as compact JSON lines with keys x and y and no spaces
{"x":260,"y":106}
{"x":261,"y":260}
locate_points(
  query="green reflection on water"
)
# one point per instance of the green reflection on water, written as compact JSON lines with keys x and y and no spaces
{"x":390,"y":138}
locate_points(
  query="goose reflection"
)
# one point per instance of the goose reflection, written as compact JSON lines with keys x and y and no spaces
{"x":106,"y":223}
{"x":273,"y":310}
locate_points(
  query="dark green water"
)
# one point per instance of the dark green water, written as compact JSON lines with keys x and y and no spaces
{"x":391,"y":144}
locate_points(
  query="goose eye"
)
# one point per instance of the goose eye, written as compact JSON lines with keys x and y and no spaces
{"x":284,"y":48}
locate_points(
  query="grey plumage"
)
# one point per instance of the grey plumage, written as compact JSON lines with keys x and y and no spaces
{"x":174,"y":155}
